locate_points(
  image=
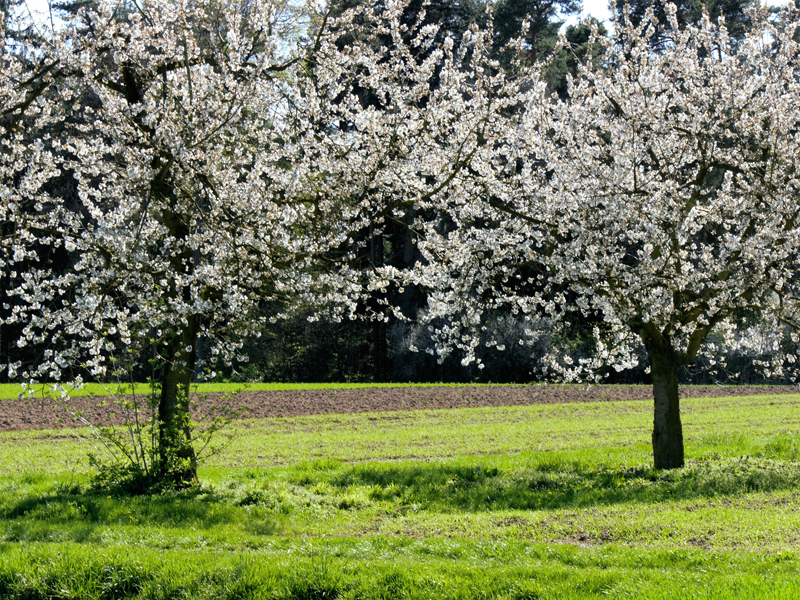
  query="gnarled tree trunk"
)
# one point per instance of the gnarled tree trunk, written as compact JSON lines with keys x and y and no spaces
{"x":667,"y":429}
{"x":177,"y":459}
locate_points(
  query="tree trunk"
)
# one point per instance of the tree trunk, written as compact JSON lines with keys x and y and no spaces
{"x":378,"y":327}
{"x":6,"y":330}
{"x":177,"y":459}
{"x":176,"y":455}
{"x":667,"y":430}
{"x":408,"y":301}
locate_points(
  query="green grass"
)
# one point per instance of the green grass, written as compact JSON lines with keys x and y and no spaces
{"x":10,"y":391}
{"x":46,"y":390}
{"x":548,"y":501}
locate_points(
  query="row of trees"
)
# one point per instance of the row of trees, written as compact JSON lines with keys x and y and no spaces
{"x":177,"y":175}
{"x":365,"y":350}
{"x":297,"y":350}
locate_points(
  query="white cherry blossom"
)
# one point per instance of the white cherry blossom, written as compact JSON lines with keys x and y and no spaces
{"x":165,"y":171}
{"x":662,"y":195}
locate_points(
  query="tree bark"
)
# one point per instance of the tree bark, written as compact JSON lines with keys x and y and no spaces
{"x":6,"y":332}
{"x":667,"y":429}
{"x":378,"y":327}
{"x":177,"y":458}
{"x":408,"y":300}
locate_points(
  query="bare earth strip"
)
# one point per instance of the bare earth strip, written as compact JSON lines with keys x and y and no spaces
{"x":46,"y":414}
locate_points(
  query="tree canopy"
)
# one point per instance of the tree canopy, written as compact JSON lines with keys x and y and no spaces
{"x":213,"y":166}
{"x":660,"y":194}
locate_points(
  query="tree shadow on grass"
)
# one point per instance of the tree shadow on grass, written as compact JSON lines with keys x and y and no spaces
{"x":484,"y":488}
{"x":80,"y":513}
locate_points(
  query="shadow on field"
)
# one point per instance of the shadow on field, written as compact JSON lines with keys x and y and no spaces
{"x":74,"y":516}
{"x":258,"y":503}
{"x":552,"y":486}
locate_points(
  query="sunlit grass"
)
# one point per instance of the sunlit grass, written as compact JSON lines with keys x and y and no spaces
{"x":379,"y":569}
{"x":47,"y":390}
{"x":602,"y":434}
{"x":544,"y":501}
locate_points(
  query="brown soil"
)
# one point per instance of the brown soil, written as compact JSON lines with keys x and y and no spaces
{"x":38,"y":414}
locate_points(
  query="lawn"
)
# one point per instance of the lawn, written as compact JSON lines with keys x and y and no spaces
{"x":543,"y":501}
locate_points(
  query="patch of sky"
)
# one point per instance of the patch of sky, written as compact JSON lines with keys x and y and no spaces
{"x":599,"y":9}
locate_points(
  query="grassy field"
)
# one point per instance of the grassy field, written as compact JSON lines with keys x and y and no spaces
{"x":546,"y":501}
{"x":46,"y":390}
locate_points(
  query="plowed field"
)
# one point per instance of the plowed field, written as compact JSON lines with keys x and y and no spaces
{"x":46,"y":414}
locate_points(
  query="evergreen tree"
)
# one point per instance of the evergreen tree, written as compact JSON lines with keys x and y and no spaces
{"x":567,"y":60}
{"x":689,"y":12}
{"x":544,"y":22}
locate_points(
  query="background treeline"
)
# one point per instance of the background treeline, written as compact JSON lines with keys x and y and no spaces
{"x":304,"y":349}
